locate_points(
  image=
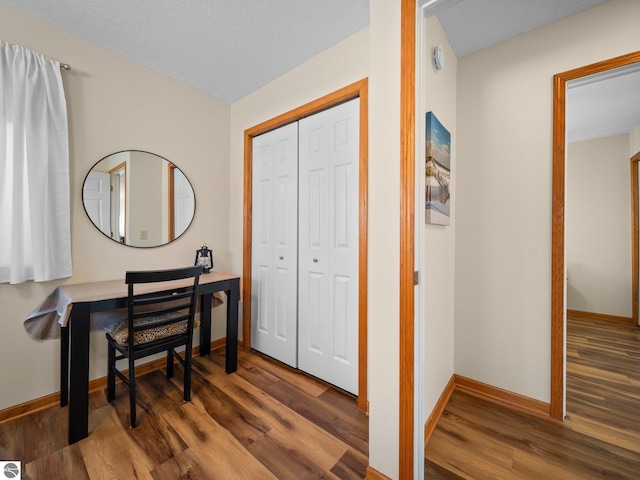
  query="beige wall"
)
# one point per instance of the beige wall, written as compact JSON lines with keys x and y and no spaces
{"x":384,"y":235}
{"x":503,"y":194}
{"x":598,"y":226}
{"x":438,"y":242}
{"x":115,"y":105}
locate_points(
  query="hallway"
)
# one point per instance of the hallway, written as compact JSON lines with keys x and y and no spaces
{"x":480,"y":439}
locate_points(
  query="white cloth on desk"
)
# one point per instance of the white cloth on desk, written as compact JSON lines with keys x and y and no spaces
{"x":53,"y":312}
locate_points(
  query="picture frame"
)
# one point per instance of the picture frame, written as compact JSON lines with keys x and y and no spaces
{"x":437,"y":172}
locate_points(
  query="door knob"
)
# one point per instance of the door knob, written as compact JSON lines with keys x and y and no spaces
{"x":281,"y":257}
{"x":315,"y":260}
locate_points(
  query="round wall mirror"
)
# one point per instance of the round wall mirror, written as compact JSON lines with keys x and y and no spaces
{"x":138,"y":198}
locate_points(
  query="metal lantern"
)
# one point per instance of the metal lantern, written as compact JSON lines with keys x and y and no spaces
{"x":204,"y":257}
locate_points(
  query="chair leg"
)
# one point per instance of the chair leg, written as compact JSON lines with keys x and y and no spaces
{"x":170,"y":363}
{"x":187,"y":373}
{"x":111,"y":376}
{"x":132,"y":392}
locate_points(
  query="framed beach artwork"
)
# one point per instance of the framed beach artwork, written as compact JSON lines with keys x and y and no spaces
{"x":437,"y":172}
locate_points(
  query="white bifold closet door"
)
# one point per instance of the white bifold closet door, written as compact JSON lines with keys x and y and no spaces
{"x":314,"y":219}
{"x":328,"y":245}
{"x":274,"y":259}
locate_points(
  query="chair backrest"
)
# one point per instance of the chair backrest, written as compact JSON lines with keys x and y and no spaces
{"x":174,"y":302}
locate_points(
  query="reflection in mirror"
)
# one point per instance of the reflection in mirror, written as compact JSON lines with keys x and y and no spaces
{"x":138,"y":198}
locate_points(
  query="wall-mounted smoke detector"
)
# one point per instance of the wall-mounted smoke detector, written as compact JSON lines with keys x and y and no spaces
{"x":438,"y":58}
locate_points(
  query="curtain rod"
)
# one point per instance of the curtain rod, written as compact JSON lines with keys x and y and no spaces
{"x":65,"y":66}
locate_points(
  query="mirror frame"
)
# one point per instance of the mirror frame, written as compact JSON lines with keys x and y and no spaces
{"x":171,"y":210}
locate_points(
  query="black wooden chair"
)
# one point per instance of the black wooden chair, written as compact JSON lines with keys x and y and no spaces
{"x":156,"y":322}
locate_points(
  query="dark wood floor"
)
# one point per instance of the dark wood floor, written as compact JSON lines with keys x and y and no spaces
{"x":479,"y":439}
{"x":264,"y":421}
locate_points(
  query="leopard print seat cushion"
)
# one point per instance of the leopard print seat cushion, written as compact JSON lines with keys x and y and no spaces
{"x":119,"y":330}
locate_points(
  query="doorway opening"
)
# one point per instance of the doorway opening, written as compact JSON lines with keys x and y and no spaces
{"x":558,"y":267}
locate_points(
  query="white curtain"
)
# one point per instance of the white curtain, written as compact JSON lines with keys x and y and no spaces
{"x":35,"y":233}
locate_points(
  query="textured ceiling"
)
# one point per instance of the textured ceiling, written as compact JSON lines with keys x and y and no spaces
{"x":472,"y":25}
{"x":230,"y":48}
{"x":225,"y":48}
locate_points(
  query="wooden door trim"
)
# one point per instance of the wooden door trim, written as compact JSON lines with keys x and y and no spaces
{"x":407,"y":234}
{"x":557,"y":223}
{"x":121,"y":166}
{"x":635,"y":238}
{"x":358,"y":89}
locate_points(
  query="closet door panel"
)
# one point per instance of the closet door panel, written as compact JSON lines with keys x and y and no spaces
{"x":341,"y":332}
{"x":313,"y":293}
{"x":315,"y":310}
{"x":274,"y":244}
{"x":260,"y":290}
{"x":328,"y":249}
{"x":344,"y":148}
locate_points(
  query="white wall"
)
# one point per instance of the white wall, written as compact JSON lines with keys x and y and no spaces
{"x":598,"y":226}
{"x":503,"y":194}
{"x":115,"y":105}
{"x":439,"y":97}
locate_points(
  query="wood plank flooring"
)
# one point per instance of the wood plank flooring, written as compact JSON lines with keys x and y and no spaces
{"x":267,"y":421}
{"x":264,"y":421}
{"x":479,"y":439}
